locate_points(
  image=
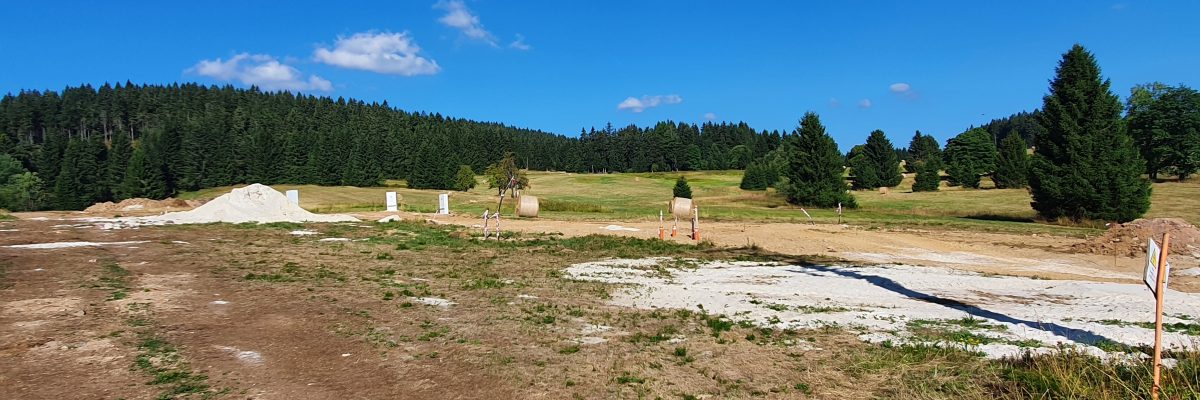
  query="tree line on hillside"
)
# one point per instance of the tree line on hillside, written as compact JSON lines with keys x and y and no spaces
{"x":85,"y":145}
{"x":1087,"y":158}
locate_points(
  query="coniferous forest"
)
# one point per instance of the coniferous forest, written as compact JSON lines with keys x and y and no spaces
{"x":70,"y":149}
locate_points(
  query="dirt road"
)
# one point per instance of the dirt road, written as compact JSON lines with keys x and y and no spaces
{"x":1040,"y":256}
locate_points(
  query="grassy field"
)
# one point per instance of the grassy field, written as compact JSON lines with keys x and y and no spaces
{"x":641,"y":196}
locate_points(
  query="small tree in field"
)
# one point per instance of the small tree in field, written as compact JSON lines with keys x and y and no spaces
{"x":499,"y":174}
{"x":755,"y":176}
{"x":682,"y":189}
{"x":464,"y":180}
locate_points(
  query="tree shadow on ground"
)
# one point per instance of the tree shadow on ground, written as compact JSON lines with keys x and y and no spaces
{"x":1075,"y":335}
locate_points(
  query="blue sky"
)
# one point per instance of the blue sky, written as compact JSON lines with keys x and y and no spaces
{"x":559,"y":66}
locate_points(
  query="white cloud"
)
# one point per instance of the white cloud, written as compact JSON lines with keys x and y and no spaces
{"x":710,"y":116}
{"x":520,"y":44}
{"x":864,"y":103}
{"x":260,"y":70}
{"x":638,"y":105}
{"x":385,"y":53}
{"x":904,"y":91}
{"x":458,"y":16}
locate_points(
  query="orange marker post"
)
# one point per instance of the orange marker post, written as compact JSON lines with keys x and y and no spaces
{"x":661,"y":231}
{"x":1158,"y":312}
{"x":696,"y":223}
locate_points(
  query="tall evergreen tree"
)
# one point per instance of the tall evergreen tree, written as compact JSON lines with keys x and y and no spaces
{"x":968,"y":156}
{"x":928,"y":177}
{"x":1012,"y":163}
{"x":876,"y":165}
{"x":67,"y":190}
{"x":1085,"y":166}
{"x":118,"y":161}
{"x":928,"y":164}
{"x":435,"y":164}
{"x":914,"y":152}
{"x":815,"y":167}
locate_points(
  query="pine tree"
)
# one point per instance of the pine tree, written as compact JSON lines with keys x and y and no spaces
{"x":434,"y":165}
{"x":754,"y":177}
{"x":815,"y":167}
{"x":67,"y":189}
{"x":968,"y":156}
{"x":93,"y":176}
{"x":927,"y":163}
{"x":682,"y":189}
{"x":1012,"y":163}
{"x":132,"y":184}
{"x":464,"y":180}
{"x":1085,"y":166}
{"x":118,"y":161}
{"x":915,"y":152}
{"x":875,"y":164}
{"x":363,"y":168}
{"x":928,"y":177}
{"x":882,"y":155}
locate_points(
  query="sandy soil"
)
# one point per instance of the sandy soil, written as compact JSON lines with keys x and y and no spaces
{"x":1040,"y":256}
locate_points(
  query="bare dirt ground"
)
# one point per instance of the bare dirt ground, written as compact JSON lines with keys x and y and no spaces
{"x":1041,"y":256}
{"x":397,"y":312}
{"x":256,"y":312}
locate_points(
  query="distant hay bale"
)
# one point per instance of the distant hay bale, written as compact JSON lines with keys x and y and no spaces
{"x":681,"y":207}
{"x":527,"y":206}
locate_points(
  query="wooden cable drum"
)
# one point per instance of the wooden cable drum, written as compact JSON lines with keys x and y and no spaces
{"x":527,"y":206}
{"x":681,"y":207}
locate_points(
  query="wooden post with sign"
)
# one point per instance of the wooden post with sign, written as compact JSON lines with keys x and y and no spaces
{"x":1162,"y":267}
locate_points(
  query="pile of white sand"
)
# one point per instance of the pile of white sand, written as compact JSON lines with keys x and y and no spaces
{"x":254,"y":203}
{"x":881,"y":302}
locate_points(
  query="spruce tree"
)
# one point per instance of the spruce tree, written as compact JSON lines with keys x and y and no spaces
{"x":875,"y":164}
{"x":928,"y":177}
{"x":927,"y":164}
{"x":880,"y":151}
{"x":132,"y":183}
{"x":1085,"y":166}
{"x":118,"y":161}
{"x":682,"y":189}
{"x":1012,"y":163}
{"x":67,"y":189}
{"x":915,"y":152}
{"x":754,"y":177}
{"x":434,"y":165}
{"x":815,"y":167}
{"x":968,"y":156}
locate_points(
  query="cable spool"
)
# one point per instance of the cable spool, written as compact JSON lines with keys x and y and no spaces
{"x":681,"y":207}
{"x":527,"y":206}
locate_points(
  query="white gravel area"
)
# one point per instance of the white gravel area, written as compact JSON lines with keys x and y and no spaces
{"x":883,"y":303}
